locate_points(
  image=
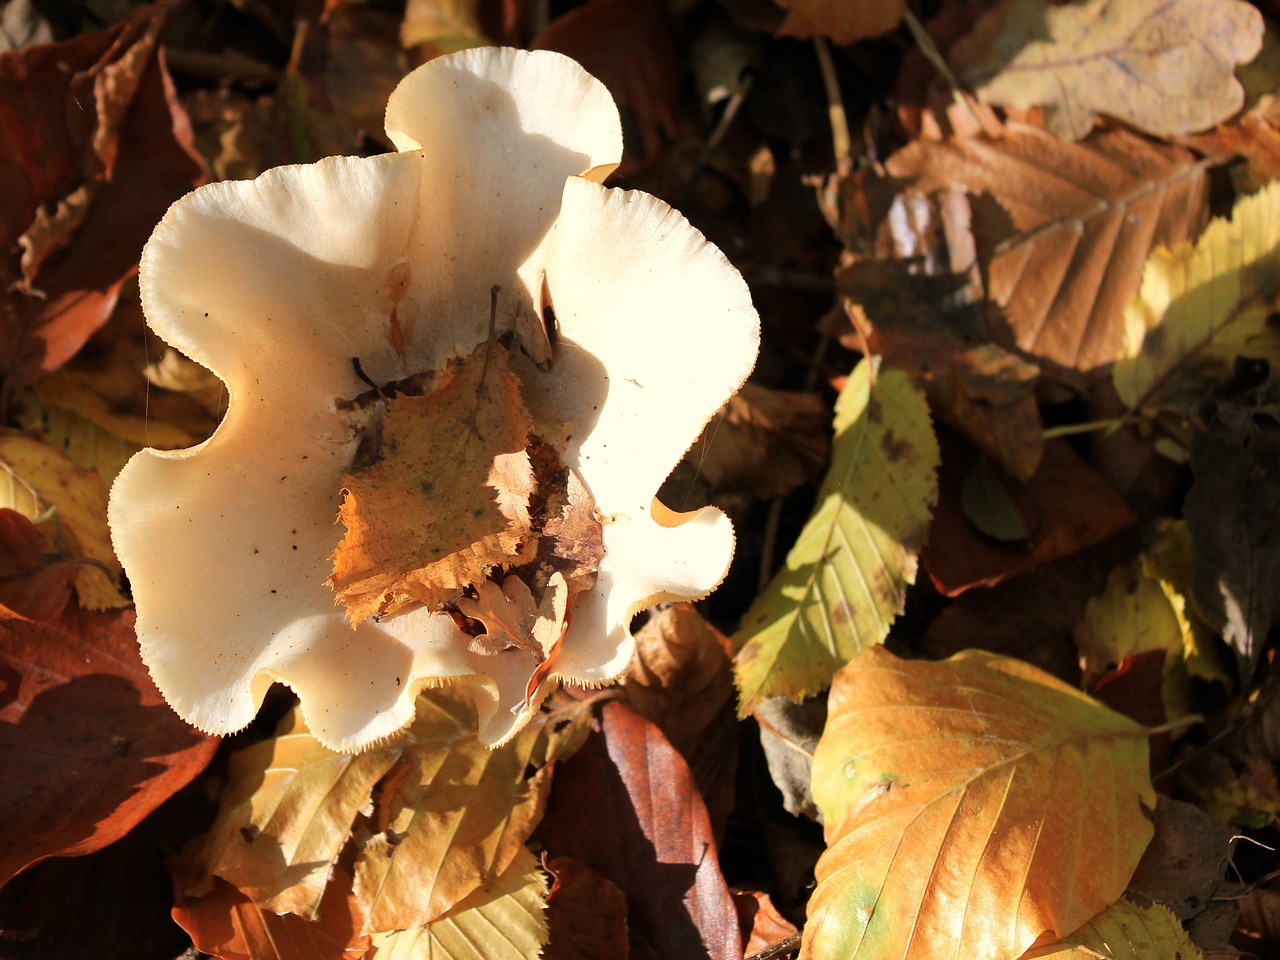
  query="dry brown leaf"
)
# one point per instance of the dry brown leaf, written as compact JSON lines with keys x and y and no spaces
{"x":586,"y":913}
{"x":35,"y":584}
{"x":1165,"y":66}
{"x":512,"y":618}
{"x":841,"y":20}
{"x":1063,"y":230}
{"x":447,"y":497}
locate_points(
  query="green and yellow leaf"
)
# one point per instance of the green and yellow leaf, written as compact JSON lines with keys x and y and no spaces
{"x":1200,"y":306}
{"x":970,"y":805}
{"x":1124,"y":931}
{"x":845,"y":579}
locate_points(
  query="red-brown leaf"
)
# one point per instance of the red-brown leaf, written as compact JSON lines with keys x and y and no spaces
{"x":34,"y":585}
{"x":87,"y":745}
{"x":626,"y":805}
{"x":587,"y":914}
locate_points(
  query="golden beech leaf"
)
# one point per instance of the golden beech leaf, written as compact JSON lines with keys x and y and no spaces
{"x":1202,"y":305}
{"x":505,"y":919}
{"x":845,"y":579}
{"x":447,"y":496}
{"x":456,"y":813}
{"x":36,"y":479}
{"x":448,"y":814}
{"x":841,"y":20}
{"x":1124,"y":931}
{"x":972,"y":807}
{"x":1165,"y":66}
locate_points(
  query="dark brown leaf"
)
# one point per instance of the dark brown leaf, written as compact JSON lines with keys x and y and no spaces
{"x":587,"y":914}
{"x":646,"y":829}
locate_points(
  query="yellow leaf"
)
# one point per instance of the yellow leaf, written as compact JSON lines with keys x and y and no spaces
{"x":85,"y":443}
{"x":1165,"y":66}
{"x":1199,"y":306}
{"x":502,"y":920}
{"x":845,"y":579}
{"x":36,"y":479}
{"x":456,"y":814}
{"x":970,"y":806}
{"x":1124,"y":931}
{"x":286,"y":811}
{"x":448,"y":25}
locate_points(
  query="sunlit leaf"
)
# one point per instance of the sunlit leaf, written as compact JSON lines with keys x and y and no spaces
{"x":1124,"y":931}
{"x":845,"y":579}
{"x":502,"y":920}
{"x":1200,"y":306}
{"x":970,"y":806}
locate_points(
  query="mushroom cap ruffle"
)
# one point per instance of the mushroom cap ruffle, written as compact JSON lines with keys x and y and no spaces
{"x":276,"y":284}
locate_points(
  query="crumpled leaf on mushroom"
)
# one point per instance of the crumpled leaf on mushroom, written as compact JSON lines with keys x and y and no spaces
{"x":321,"y":294}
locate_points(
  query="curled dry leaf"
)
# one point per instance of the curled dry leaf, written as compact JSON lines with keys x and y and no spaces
{"x":973,"y":805}
{"x":1165,"y":66}
{"x":845,"y":579}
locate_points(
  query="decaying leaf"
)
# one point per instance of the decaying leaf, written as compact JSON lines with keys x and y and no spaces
{"x":35,"y":478}
{"x":840,"y":20}
{"x":972,"y":806}
{"x":845,"y":579}
{"x":1200,"y":306}
{"x":503,"y":919}
{"x":1164,"y":66}
{"x":513,"y":619}
{"x":1124,"y":931}
{"x":1233,"y":509}
{"x":1062,"y":230}
{"x":446,"y":496}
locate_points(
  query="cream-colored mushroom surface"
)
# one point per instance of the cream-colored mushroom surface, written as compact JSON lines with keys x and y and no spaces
{"x":285,"y":285}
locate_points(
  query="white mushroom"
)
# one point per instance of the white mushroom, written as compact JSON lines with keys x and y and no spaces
{"x":277,"y":284}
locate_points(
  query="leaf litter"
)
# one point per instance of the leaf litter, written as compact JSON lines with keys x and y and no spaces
{"x":1019,"y":280}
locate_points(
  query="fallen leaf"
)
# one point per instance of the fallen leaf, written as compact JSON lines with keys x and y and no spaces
{"x":127,"y":157}
{"x":1200,"y":306}
{"x":446,"y":497}
{"x":1164,"y":66}
{"x":646,"y":829}
{"x":512,"y":619}
{"x":87,"y":743}
{"x":1124,"y":931}
{"x":503,"y":919}
{"x":682,"y":680}
{"x":34,"y":584}
{"x":446,"y":25}
{"x":1066,"y":505}
{"x":586,"y":914}
{"x":456,"y":816}
{"x":763,"y":924}
{"x":1062,"y":230}
{"x":971,"y":806}
{"x":843,"y":22}
{"x":789,"y":732}
{"x":1233,"y":509}
{"x":227,"y":924}
{"x":845,"y":579}
{"x":39,"y":478}
{"x":1186,"y":864}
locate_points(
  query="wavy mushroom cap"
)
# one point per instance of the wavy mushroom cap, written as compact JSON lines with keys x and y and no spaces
{"x":279,"y":283}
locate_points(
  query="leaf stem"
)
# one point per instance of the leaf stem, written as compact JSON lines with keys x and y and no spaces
{"x":1071,"y":429}
{"x":1188,"y":721}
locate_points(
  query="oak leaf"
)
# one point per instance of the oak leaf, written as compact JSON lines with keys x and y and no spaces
{"x":845,"y":579}
{"x":971,"y":807}
{"x":448,"y":496}
{"x":512,"y":618}
{"x":1165,"y":66}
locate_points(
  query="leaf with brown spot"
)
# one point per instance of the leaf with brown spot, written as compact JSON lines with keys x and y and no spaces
{"x":1164,"y":66}
{"x":448,"y":496}
{"x":858,"y":552}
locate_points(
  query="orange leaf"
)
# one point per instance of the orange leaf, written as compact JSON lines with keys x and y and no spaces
{"x":34,"y":584}
{"x":972,"y":807}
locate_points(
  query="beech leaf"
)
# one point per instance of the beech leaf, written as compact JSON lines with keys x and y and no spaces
{"x":1200,"y":306}
{"x":504,"y":919}
{"x":1124,"y":931}
{"x":845,"y":579}
{"x":1165,"y":66}
{"x":971,"y":808}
